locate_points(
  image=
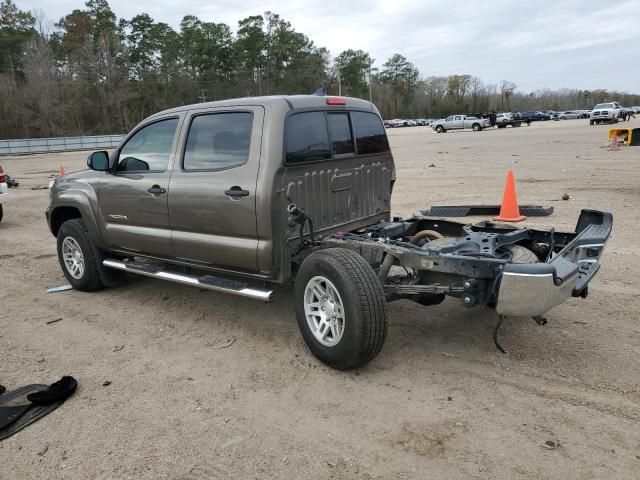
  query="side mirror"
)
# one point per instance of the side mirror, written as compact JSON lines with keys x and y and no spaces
{"x":98,"y":161}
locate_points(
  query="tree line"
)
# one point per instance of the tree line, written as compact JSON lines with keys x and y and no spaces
{"x":92,"y":73}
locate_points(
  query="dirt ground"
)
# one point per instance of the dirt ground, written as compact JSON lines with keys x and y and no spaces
{"x":439,"y":402}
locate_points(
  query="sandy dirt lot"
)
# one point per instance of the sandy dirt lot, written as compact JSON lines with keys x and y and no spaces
{"x":439,"y":402}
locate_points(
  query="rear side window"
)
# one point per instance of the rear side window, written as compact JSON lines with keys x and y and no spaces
{"x":370,"y":134}
{"x":340,"y":134}
{"x":218,"y":141}
{"x":307,"y":138}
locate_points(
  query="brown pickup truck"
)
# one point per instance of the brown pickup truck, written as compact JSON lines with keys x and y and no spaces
{"x":240,"y":195}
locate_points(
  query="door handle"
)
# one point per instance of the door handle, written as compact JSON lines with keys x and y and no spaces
{"x":236,"y":192}
{"x":157,"y":190}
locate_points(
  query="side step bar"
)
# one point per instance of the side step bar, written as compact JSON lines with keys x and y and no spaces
{"x":206,"y":281}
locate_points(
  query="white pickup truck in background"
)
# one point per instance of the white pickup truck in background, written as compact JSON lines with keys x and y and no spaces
{"x":460,"y":122}
{"x":605,"y":113}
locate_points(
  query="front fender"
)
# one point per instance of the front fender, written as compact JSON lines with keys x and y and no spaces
{"x":79,"y":193}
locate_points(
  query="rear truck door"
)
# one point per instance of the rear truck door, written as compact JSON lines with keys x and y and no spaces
{"x":132,"y":202}
{"x":338,"y":169}
{"x":212,"y":205}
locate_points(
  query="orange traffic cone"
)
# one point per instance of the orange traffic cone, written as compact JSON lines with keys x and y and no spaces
{"x":613,"y":146}
{"x":509,"y":210}
{"x":61,"y":172}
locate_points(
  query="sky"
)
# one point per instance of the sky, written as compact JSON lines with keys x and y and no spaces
{"x":585,"y":44}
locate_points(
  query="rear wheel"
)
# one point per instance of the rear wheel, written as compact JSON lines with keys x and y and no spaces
{"x":476,"y":127}
{"x":77,"y":258}
{"x":340,"y":308}
{"x":520,"y":254}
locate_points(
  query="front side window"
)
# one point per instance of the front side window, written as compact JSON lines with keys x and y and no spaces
{"x":340,"y":133}
{"x":307,"y":138}
{"x":370,"y":134}
{"x":149,"y":149}
{"x":218,"y":141}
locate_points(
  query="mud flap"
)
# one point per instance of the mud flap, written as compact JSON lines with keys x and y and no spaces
{"x":15,"y":403}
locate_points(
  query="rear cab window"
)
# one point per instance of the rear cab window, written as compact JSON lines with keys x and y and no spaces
{"x":325,"y":135}
{"x":218,"y":141}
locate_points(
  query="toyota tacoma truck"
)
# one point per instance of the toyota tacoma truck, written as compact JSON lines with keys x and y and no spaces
{"x":460,"y":122}
{"x":239,"y":196}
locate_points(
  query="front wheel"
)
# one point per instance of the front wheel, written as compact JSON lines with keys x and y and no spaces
{"x":340,"y":308}
{"x":440,"y":129}
{"x":76,"y":256}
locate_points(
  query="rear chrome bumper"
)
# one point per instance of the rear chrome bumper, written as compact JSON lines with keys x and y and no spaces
{"x":534,"y":289}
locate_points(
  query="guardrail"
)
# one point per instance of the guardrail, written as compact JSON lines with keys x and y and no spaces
{"x":60,"y":144}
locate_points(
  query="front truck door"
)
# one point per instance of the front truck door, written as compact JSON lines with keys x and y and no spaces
{"x":458,"y":122}
{"x":212,"y":204}
{"x":133,"y":207}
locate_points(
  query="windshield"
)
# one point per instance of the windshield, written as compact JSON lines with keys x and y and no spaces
{"x":604,"y":105}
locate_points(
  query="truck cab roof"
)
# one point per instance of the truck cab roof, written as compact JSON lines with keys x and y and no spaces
{"x":290,"y":102}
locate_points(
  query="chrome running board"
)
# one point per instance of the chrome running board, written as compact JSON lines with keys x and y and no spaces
{"x":209,"y":282}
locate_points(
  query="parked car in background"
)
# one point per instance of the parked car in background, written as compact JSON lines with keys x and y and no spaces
{"x":397,"y":122}
{"x":505,"y":119}
{"x":4,"y":191}
{"x":535,"y":116}
{"x":569,"y":115}
{"x":636,"y":109}
{"x":550,"y":113}
{"x":460,"y":122}
{"x":387,"y":124}
{"x":608,"y":112}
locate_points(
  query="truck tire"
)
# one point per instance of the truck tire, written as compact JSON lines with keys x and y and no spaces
{"x":1,"y":212}
{"x":76,"y":254}
{"x":520,"y":254}
{"x":340,"y":308}
{"x":476,"y":127}
{"x":440,"y":129}
{"x":592,"y":122}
